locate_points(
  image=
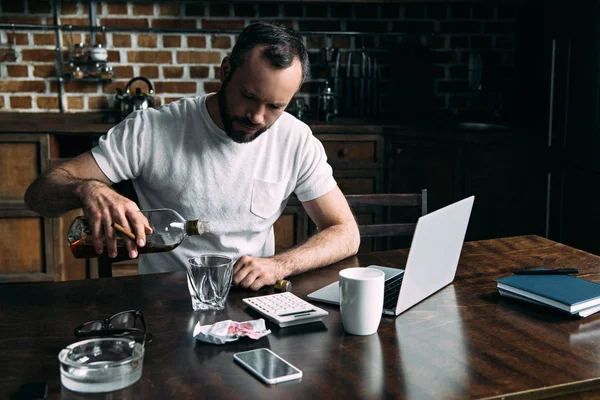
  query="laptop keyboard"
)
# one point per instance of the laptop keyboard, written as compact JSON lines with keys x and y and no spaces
{"x":391,"y":291}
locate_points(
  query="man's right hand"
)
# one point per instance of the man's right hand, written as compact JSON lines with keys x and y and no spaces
{"x":103,"y":207}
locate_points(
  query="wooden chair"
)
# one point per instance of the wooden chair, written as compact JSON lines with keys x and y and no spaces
{"x":417,"y":201}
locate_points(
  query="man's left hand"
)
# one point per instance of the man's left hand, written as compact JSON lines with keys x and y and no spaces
{"x":253,"y":272}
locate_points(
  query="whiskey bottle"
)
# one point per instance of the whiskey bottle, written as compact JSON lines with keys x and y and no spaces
{"x":169,"y":229}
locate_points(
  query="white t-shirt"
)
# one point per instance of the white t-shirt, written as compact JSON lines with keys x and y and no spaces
{"x":178,"y":158}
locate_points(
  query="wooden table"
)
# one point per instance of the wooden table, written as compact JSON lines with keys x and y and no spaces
{"x":463,"y":342}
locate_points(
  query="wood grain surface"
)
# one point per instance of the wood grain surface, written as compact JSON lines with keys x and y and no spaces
{"x":463,"y":342}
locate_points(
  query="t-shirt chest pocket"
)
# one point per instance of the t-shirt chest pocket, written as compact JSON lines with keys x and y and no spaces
{"x":266,"y":197}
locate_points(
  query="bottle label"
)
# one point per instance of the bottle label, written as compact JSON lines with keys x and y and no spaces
{"x":196,"y":227}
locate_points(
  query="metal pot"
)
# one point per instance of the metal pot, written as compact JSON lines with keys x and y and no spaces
{"x":138,"y":101}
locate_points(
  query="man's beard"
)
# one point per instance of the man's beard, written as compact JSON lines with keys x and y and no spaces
{"x":228,"y":119}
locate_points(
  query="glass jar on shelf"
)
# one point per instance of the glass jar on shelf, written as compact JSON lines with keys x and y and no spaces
{"x":94,"y":70}
{"x":98,"y":53}
{"x":77,"y":73}
{"x":80,"y":52}
{"x":106,"y":72}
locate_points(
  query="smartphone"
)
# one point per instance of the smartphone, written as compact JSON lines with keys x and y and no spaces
{"x":267,"y":366}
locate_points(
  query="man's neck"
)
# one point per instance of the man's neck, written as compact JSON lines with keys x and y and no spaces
{"x":212,"y":106}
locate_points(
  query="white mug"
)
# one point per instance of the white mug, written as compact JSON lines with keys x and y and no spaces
{"x":361,"y":299}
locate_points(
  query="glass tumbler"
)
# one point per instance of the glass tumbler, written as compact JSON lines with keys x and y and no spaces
{"x":209,"y":280}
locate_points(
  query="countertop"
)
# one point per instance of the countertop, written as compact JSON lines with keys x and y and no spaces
{"x":100,"y":123}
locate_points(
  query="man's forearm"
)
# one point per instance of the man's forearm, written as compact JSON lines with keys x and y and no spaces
{"x":56,"y":192}
{"x":325,"y":247}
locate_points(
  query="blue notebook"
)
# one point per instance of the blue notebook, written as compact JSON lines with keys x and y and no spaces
{"x":564,"y":292}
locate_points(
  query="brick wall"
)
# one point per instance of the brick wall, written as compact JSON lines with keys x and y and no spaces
{"x":187,"y":64}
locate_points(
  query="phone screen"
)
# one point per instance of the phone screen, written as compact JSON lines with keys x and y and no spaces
{"x":266,"y":363}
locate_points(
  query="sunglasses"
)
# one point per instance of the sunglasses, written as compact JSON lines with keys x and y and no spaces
{"x":123,"y":324}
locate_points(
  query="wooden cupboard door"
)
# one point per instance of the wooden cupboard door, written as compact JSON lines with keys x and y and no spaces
{"x":359,"y":181}
{"x":352,"y":151}
{"x":19,"y":166}
{"x":25,"y":247}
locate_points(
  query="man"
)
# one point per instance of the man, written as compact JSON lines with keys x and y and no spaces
{"x":231,"y":158}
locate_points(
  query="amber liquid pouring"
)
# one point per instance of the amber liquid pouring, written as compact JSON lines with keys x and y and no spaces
{"x":84,"y":248}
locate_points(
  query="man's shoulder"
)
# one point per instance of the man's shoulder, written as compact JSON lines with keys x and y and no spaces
{"x":183,"y":107}
{"x":289,"y":127}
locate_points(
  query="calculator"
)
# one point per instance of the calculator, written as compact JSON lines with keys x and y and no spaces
{"x":285,"y":309}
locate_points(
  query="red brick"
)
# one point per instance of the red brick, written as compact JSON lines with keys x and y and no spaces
{"x":44,"y":71}
{"x":44,"y":39}
{"x":143,"y":9}
{"x":7,"y":55}
{"x":150,"y":57}
{"x":198,"y":57}
{"x":71,"y":39}
{"x":17,"y":71}
{"x":175,"y":87}
{"x":171,"y":41}
{"x":99,"y":39}
{"x":341,"y":42}
{"x":147,"y":40}
{"x":200,"y":72}
{"x":20,"y":38}
{"x":11,"y":6}
{"x":217,"y":70}
{"x":172,"y":72}
{"x":112,"y":86}
{"x":211,"y":87}
{"x":168,"y":100}
{"x":222,"y":24}
{"x":114,"y":56}
{"x":244,"y":10}
{"x":80,"y":87}
{"x":221,"y":42}
{"x":121,"y":40}
{"x":174,"y":23}
{"x":47,"y":102}
{"x":169,"y":9}
{"x":123,"y":72}
{"x":39,"y":7}
{"x":1,"y":102}
{"x":196,"y":41}
{"x":97,"y":103}
{"x":22,"y":86}
{"x":20,"y":102}
{"x":195,"y":9}
{"x":69,"y":8}
{"x":150,"y":72}
{"x":74,"y":21}
{"x":20,"y":19}
{"x":75,"y":102}
{"x":117,"y":9}
{"x":38,"y":55}
{"x":124,"y":22}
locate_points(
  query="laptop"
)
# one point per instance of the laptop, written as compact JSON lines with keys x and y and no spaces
{"x":431,"y":265}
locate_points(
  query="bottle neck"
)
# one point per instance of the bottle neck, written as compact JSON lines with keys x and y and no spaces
{"x":196,"y":227}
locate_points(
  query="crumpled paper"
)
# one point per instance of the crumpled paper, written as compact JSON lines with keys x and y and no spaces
{"x":230,"y":331}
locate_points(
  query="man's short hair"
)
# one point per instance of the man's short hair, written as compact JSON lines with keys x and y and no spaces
{"x":281,"y":46}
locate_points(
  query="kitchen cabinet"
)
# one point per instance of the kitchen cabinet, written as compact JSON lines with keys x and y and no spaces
{"x":508,"y":177}
{"x":505,"y":172}
{"x":27,"y":243}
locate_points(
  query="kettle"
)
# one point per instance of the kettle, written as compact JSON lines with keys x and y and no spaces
{"x":137,"y":101}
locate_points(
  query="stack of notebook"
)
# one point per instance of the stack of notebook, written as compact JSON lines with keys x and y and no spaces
{"x":566,"y":293}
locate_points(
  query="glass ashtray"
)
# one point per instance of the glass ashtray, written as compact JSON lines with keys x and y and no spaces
{"x":101,"y":364}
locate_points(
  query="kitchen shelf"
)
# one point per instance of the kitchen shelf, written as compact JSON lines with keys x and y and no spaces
{"x":68,"y":78}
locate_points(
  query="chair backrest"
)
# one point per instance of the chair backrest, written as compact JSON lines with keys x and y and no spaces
{"x":389,"y":200}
